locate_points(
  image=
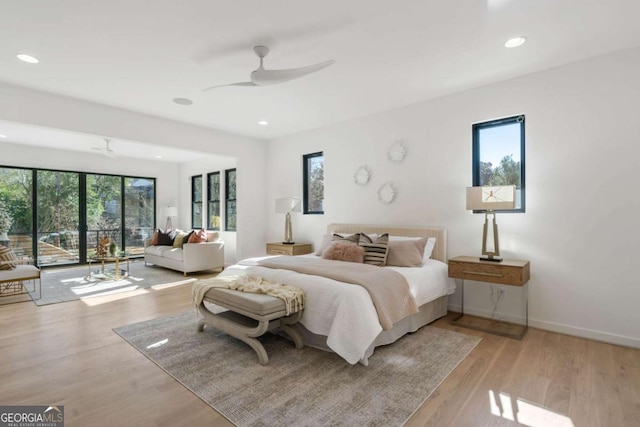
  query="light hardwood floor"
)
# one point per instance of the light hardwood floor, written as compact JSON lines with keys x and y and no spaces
{"x":67,"y":354}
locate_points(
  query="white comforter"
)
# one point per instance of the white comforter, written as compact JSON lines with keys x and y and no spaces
{"x":345,"y":312}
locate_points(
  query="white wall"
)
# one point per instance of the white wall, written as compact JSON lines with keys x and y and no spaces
{"x":203,"y":167}
{"x":38,"y":108}
{"x":580,"y":230}
{"x":166,"y":173}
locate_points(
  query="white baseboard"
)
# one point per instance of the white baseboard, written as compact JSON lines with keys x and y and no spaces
{"x":557,"y":327}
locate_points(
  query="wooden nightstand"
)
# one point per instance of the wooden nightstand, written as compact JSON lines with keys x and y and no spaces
{"x":508,"y":272}
{"x":279,"y":248}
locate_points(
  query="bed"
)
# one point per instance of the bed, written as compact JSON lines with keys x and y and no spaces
{"x":341,"y":317}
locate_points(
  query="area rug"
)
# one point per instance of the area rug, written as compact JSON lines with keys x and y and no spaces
{"x":68,"y":284}
{"x":307,"y":387}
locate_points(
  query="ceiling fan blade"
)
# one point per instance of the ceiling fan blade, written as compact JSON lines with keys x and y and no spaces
{"x":262,"y":77}
{"x":231,"y":84}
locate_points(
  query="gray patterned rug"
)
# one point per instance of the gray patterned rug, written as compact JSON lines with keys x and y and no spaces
{"x":307,"y":387}
{"x":68,"y":284}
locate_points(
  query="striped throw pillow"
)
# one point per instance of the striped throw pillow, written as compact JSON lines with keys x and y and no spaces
{"x":340,"y":238}
{"x":375,"y":249}
{"x":6,"y":256}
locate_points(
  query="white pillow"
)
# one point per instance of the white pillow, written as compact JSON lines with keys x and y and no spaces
{"x":428,"y":249}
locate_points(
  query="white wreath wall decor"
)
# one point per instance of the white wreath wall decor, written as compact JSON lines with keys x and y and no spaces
{"x":386,"y":193}
{"x":397,"y":152}
{"x":362,"y":175}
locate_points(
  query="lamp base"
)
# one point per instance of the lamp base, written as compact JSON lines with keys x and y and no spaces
{"x":288,"y":243}
{"x":490,"y":259}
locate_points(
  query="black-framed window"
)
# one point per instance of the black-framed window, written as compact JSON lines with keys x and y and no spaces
{"x":72,"y":210}
{"x":196,"y":201}
{"x":230,"y":207}
{"x":313,"y":183}
{"x":499,"y":155}
{"x":213,"y":201}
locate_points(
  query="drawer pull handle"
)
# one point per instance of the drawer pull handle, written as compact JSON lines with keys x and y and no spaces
{"x":481,"y":273}
{"x":276,"y":251}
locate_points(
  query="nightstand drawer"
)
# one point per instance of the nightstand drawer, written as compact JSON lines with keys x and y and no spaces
{"x":295,"y":249}
{"x":507,"y":272}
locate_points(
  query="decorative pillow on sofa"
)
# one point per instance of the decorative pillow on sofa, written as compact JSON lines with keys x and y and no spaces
{"x":199,"y":236}
{"x":375,"y":250}
{"x":154,"y":239}
{"x":6,"y":257}
{"x":343,"y":251}
{"x":406,"y":253}
{"x":165,"y":239}
{"x":179,"y":240}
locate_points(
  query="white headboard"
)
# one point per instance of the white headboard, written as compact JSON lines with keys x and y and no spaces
{"x":439,"y":251}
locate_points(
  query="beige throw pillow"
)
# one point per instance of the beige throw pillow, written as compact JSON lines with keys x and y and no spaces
{"x":406,"y":253}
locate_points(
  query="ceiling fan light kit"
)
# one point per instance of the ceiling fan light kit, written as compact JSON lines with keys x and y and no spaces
{"x":264,"y":77}
{"x":106,"y":149}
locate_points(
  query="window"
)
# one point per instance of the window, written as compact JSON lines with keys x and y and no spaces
{"x":498,"y":155}
{"x":230,"y":200}
{"x":313,"y":182}
{"x":46,"y":209}
{"x":213,"y":201}
{"x":196,"y":201}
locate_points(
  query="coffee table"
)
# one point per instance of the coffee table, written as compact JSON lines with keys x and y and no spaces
{"x":104,"y":274}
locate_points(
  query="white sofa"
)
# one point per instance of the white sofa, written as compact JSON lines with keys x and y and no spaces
{"x":188,"y":259}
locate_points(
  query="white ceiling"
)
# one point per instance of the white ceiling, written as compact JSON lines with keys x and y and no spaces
{"x":140,"y":54}
{"x":18,"y":133}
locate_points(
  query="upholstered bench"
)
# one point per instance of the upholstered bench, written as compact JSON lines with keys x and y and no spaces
{"x":250,"y":316}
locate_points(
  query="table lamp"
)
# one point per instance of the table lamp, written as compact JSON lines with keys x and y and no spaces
{"x":287,"y":205}
{"x":170,"y":211}
{"x":490,"y":199}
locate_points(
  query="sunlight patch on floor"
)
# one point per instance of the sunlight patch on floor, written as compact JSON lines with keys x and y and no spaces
{"x":158,"y":344}
{"x":172,"y":284}
{"x":111,"y":296}
{"x":526,"y":413}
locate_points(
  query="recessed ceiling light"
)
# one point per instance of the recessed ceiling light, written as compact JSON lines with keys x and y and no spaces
{"x":182,"y":101}
{"x":515,"y":42}
{"x":27,"y":58}
{"x":263,"y":123}
{"x":158,"y":156}
{"x":3,"y":136}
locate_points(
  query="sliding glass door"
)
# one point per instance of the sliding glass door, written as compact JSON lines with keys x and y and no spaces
{"x":58,"y":217}
{"x":139,"y":213}
{"x":16,"y":211}
{"x":103,"y":210}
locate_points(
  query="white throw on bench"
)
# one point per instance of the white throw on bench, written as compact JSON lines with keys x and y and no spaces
{"x":251,"y":313}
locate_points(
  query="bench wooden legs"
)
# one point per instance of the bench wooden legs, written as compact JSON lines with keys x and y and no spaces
{"x":245,"y":329}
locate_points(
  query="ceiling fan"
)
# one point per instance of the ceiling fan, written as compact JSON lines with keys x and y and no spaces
{"x":263,"y":77}
{"x":105,"y":149}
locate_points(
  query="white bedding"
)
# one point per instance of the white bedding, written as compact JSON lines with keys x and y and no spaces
{"x":344,"y":312}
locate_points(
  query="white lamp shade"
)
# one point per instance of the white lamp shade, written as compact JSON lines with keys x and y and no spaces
{"x":491,"y":198}
{"x":288,"y":204}
{"x":171,"y":211}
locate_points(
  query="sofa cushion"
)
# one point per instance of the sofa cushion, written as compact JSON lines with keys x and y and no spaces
{"x":173,"y":253}
{"x":21,"y":272}
{"x":157,"y":250}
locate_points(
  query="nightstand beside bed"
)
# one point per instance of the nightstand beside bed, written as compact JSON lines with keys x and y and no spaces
{"x":507,"y":272}
{"x":279,"y":248}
